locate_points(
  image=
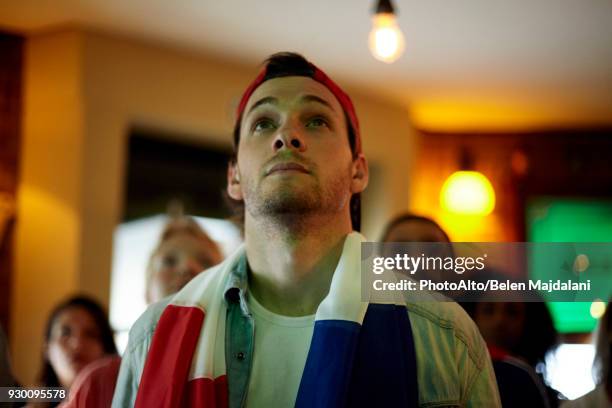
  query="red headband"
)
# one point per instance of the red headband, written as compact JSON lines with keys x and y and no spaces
{"x":320,"y":77}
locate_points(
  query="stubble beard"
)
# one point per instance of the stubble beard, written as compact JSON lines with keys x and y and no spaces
{"x":292,"y":204}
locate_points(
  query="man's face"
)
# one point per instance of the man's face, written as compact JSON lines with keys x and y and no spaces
{"x":294,"y":155}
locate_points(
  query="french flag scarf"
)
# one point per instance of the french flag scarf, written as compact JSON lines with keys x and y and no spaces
{"x":361,"y":354}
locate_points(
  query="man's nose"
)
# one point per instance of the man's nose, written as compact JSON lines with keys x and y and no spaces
{"x":288,"y":137}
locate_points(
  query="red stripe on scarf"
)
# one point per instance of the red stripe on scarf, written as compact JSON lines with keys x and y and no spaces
{"x":207,"y":393}
{"x":169,"y":359}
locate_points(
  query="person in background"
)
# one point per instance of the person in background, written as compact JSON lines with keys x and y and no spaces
{"x":414,"y":228}
{"x":77,"y":333}
{"x":601,"y":396}
{"x":501,"y":324}
{"x":518,"y":335}
{"x":184,"y":250}
{"x":420,"y":231}
{"x":525,"y":330}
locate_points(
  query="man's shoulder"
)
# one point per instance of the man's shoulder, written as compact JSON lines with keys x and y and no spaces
{"x":147,"y":322}
{"x":144,"y":327}
{"x":440,"y":320}
{"x":444,"y":313}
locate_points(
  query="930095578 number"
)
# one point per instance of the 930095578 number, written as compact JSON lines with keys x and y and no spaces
{"x":37,"y":394}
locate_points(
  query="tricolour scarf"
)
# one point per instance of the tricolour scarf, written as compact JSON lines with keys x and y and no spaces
{"x":361,"y":354}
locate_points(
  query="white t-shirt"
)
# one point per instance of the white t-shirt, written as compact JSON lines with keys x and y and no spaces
{"x":279,"y":355}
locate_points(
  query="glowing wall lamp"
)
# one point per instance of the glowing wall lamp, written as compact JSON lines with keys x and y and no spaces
{"x":386,"y":39}
{"x":467,"y":192}
{"x":598,"y":308}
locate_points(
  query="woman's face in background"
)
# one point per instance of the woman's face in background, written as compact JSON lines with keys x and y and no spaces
{"x":74,"y":342}
{"x":176,"y":262}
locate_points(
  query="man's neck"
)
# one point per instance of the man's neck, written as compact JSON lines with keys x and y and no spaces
{"x":292,"y":264}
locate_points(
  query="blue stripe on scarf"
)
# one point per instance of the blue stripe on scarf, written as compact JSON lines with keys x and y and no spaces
{"x":384,"y":372}
{"x":369,"y":366}
{"x":327,"y":372}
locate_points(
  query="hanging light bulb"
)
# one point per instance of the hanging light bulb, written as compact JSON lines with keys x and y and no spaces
{"x":386,"y":39}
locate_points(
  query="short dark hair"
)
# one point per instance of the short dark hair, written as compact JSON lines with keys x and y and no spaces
{"x":407,"y":217}
{"x":285,"y":64}
{"x":48,"y":376}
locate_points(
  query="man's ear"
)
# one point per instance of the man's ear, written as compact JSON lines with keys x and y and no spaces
{"x":360,"y":174}
{"x":234,"y":188}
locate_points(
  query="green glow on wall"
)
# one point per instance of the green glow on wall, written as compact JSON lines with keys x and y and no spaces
{"x":552,"y":219}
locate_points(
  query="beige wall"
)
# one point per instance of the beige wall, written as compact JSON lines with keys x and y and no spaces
{"x":49,"y":218}
{"x":83,"y":93}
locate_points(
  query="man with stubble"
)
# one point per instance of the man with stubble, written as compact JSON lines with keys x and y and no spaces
{"x":282,"y":322}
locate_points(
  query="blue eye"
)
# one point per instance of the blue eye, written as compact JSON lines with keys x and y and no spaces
{"x":263,"y":124}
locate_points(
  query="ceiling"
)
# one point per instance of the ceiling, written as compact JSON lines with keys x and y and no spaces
{"x":489,"y":65}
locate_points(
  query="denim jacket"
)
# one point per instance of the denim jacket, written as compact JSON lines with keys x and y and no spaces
{"x":453,"y":365}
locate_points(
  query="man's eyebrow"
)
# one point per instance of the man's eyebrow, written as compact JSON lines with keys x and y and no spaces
{"x":268,"y":99}
{"x":304,"y":99}
{"x":314,"y":98}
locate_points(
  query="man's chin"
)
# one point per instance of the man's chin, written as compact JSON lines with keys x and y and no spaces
{"x":286,"y":204}
{"x":290,"y":205}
